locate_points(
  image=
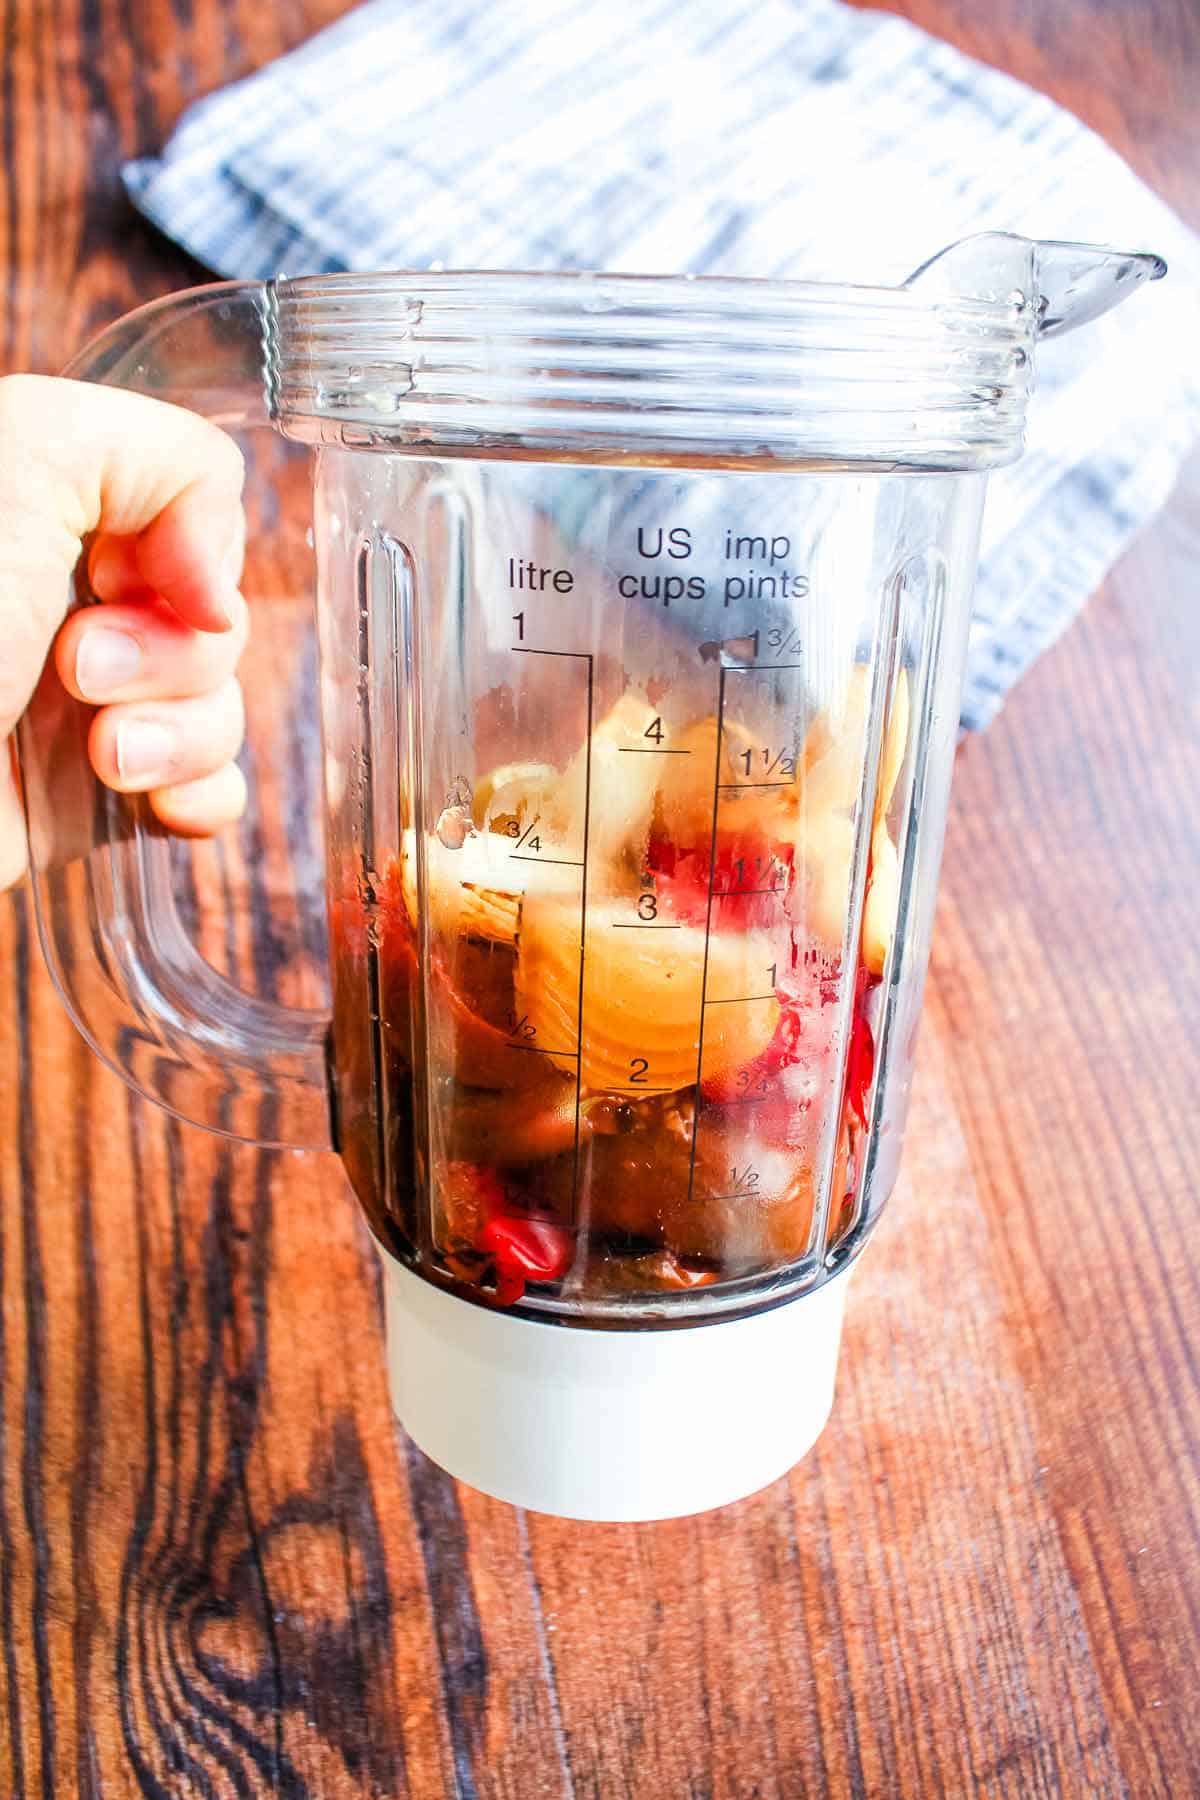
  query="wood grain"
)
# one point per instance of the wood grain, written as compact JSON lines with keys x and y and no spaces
{"x":222,"y":1573}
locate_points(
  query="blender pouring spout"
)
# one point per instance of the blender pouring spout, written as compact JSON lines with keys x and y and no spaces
{"x":1067,"y":284}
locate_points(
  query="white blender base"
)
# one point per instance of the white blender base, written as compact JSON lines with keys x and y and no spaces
{"x":593,"y":1424}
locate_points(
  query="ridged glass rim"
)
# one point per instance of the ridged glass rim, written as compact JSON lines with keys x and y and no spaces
{"x":651,"y":369}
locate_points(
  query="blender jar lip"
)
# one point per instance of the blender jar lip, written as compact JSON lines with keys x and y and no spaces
{"x":572,"y":282}
{"x":663,"y":370}
{"x":594,"y":295}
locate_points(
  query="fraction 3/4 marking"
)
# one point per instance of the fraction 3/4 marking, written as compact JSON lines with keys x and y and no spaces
{"x":783,"y":640}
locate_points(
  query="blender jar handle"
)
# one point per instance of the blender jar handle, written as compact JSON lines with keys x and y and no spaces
{"x":145,"y":999}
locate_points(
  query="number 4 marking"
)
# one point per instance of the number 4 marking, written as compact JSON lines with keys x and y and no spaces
{"x":654,"y":730}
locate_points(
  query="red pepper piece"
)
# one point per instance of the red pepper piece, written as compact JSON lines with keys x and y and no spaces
{"x":860,"y":1068}
{"x":747,"y":874}
{"x":524,"y":1249}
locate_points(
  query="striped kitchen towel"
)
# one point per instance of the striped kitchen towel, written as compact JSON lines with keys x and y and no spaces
{"x":776,"y":138}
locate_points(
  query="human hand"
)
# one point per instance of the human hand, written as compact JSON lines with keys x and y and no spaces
{"x":155,"y":491}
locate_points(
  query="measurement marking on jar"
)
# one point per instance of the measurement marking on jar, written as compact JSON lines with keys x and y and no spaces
{"x":586,"y":657}
{"x":637,"y":750}
{"x":532,"y":650}
{"x":772,"y":761}
{"x":736,"y":893}
{"x":712,"y":869}
{"x":739,"y":787}
{"x":556,"y":862}
{"x":760,"y":668}
{"x":540,"y":1050}
{"x":739,"y":1000}
{"x":638,"y":926}
{"x":587,"y":826}
{"x":783,"y":639}
{"x":637,"y":1087}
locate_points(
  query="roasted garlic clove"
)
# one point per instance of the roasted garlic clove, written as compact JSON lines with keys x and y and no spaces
{"x":832,"y":765}
{"x":820,"y":897}
{"x":895,"y":744}
{"x":835,"y":749}
{"x":882,"y":901}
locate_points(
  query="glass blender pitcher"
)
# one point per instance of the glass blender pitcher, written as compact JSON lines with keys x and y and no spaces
{"x":642,"y":610}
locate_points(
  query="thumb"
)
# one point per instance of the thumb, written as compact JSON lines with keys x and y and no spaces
{"x":77,"y":459}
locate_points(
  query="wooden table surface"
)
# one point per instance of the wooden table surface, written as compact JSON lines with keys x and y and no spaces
{"x":223,"y":1571}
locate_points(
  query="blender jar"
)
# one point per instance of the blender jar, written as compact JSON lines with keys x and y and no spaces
{"x":642,"y":608}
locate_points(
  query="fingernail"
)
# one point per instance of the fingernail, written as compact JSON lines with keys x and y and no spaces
{"x":105,"y":661}
{"x":145,"y":751}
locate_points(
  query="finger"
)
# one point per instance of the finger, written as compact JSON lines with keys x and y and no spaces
{"x":143,"y":744}
{"x":180,"y":560}
{"x":204,"y":806}
{"x":76,"y":459}
{"x":144,"y":651}
{"x":119,"y":567}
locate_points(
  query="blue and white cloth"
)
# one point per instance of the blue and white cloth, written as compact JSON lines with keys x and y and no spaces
{"x":776,"y":138}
